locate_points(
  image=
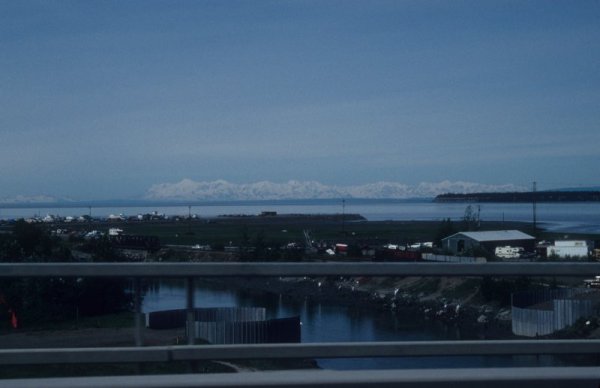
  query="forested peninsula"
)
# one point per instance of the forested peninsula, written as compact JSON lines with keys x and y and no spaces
{"x":530,"y":196}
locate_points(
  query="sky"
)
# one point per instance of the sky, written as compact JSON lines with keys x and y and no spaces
{"x":103,"y":99}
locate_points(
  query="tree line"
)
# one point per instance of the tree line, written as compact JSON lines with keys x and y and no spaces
{"x":35,"y":301}
{"x":525,"y":196}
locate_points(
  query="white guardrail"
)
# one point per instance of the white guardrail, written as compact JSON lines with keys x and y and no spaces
{"x":491,"y":377}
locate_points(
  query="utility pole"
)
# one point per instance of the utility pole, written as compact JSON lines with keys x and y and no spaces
{"x":343,"y":216}
{"x":189,"y":220}
{"x":534,"y":207}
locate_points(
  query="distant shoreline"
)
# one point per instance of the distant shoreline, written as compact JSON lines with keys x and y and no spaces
{"x":487,"y":197}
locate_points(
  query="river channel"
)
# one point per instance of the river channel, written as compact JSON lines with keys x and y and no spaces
{"x":322,"y":322}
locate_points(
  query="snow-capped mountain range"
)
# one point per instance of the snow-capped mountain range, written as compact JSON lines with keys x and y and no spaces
{"x":188,"y":189}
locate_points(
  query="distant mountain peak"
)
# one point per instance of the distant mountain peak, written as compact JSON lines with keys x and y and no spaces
{"x":26,"y":199}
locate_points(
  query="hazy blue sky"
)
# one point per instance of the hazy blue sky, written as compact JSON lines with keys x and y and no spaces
{"x":102,"y":99}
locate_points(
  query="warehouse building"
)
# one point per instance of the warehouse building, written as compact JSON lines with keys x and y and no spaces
{"x":462,"y":242}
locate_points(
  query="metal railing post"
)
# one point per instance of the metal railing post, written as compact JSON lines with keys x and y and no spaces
{"x":137,"y":310}
{"x":190,"y":318}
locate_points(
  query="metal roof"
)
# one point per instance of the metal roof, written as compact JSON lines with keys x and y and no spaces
{"x":495,"y":235}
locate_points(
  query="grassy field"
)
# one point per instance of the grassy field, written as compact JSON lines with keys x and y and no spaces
{"x":276,"y":231}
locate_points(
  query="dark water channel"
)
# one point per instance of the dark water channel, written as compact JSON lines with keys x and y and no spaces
{"x":322,"y":322}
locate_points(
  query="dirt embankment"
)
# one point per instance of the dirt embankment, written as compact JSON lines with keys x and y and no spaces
{"x":451,"y":301}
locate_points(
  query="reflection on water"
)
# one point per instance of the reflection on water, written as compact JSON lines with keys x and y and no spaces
{"x":329,"y":323}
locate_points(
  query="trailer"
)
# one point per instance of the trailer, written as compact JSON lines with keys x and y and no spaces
{"x":508,"y":252}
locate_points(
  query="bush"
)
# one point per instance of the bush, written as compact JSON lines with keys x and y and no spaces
{"x":500,"y":290}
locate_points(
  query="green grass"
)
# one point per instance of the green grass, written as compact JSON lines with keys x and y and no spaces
{"x":426,"y":286}
{"x":278,"y":231}
{"x":462,"y":290}
{"x":118,"y":320}
{"x":80,"y":370}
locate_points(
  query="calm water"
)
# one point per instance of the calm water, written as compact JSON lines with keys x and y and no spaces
{"x":330,"y":323}
{"x":568,"y":217}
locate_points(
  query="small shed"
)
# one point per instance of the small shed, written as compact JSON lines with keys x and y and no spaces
{"x":463,"y":241}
